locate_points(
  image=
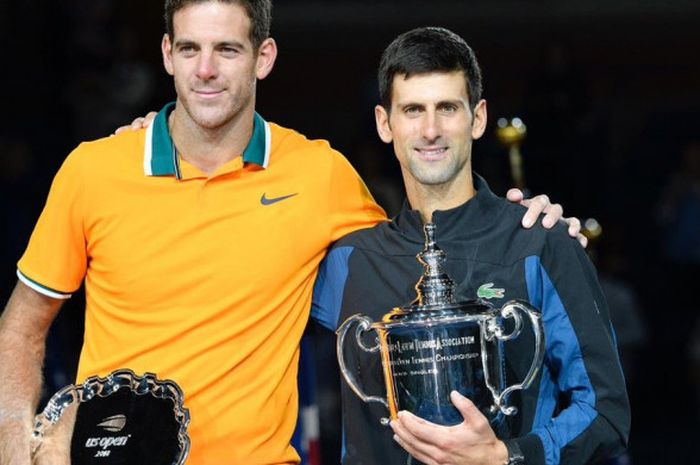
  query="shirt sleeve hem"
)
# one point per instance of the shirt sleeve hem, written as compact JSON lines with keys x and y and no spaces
{"x":531,"y":445}
{"x":41,"y":289}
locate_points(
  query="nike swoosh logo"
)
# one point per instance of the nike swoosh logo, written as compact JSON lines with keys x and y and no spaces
{"x":265,"y":201}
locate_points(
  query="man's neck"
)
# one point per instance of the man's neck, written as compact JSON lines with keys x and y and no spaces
{"x":208,"y":149}
{"x":429,"y":198}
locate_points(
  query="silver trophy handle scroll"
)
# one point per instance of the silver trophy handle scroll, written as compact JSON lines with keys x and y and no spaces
{"x":364,"y":324}
{"x":513,"y":309}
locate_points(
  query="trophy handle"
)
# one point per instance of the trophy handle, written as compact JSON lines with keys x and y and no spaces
{"x":363,"y":326}
{"x":509,"y":311}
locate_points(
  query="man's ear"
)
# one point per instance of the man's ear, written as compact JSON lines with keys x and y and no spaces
{"x":381,"y":117}
{"x":479,"y":122}
{"x":166,"y":48}
{"x":267,"y":54}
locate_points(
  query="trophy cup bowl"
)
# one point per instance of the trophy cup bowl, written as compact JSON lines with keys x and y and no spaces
{"x":435,"y":346}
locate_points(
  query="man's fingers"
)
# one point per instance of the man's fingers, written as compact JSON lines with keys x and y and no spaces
{"x":149,"y":118}
{"x":413,"y":444}
{"x":471,"y":414}
{"x":541,"y":201}
{"x":515,"y":195}
{"x":535,"y":206}
{"x":583,"y":240}
{"x":421,"y":429}
{"x":413,"y":451}
{"x":137,"y":124}
{"x":554,"y":212}
{"x":574,"y":226}
{"x":121,"y":129}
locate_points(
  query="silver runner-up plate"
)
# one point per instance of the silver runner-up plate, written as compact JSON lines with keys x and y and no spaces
{"x":119,"y":419}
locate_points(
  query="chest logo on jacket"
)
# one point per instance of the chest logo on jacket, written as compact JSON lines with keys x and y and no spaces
{"x":486,"y":291}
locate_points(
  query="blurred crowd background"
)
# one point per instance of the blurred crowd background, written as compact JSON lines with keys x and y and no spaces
{"x":609,"y":91}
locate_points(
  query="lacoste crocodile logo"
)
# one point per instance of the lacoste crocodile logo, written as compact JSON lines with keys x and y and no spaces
{"x":486,"y":291}
{"x":269,"y":201}
{"x":113,"y":424}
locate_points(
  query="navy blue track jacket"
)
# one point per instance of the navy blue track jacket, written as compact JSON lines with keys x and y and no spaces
{"x":575,"y":412}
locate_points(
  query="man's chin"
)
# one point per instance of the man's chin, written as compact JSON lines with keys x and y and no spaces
{"x":430,"y":175}
{"x":211,"y":121}
{"x":431,"y":179}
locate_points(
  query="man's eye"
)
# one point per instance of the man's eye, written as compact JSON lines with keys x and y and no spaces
{"x":229,"y":51}
{"x":411,"y":110}
{"x":448,"y":108}
{"x":187,"y":50}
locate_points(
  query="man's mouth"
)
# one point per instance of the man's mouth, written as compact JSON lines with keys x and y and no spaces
{"x":431,"y":153}
{"x":207,"y":93}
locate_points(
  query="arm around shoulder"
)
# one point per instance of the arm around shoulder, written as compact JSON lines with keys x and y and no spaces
{"x":23,"y":328}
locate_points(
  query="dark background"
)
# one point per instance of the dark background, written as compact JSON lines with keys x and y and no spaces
{"x":608,"y":90}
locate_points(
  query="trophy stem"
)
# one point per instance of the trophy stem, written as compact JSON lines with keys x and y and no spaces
{"x":435,"y":287}
{"x":516,"y":166}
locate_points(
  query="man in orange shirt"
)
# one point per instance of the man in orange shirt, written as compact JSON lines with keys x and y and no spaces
{"x":198,"y":240}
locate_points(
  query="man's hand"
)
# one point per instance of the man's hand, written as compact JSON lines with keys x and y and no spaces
{"x":15,"y":432}
{"x":54,"y":447}
{"x":23,"y":328}
{"x":138,"y":123}
{"x":472,"y":442}
{"x":553,"y":213}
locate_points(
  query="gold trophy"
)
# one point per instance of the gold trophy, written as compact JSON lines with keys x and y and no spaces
{"x":511,"y":133}
{"x":592,"y":229}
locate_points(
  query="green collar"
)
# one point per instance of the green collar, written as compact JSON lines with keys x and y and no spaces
{"x":160,"y":157}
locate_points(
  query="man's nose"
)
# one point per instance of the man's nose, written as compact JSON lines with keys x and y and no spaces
{"x":431,"y":126}
{"x":206,"y":67}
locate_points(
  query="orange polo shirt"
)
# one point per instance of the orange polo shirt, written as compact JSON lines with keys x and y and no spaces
{"x":205,"y":280}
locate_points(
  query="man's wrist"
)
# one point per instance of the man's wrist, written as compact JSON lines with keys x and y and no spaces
{"x":515,"y":454}
{"x":11,"y":416}
{"x":500,"y":455}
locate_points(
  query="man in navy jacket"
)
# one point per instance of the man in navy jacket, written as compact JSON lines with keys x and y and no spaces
{"x":577,"y":409}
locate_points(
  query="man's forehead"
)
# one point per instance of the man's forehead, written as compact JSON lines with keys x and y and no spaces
{"x":434,"y":84}
{"x":211,"y":18}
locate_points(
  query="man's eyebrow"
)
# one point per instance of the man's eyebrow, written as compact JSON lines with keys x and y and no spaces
{"x":230,"y":43}
{"x":409,"y":103}
{"x":223,"y":43}
{"x":181,"y":42}
{"x":457,"y":102}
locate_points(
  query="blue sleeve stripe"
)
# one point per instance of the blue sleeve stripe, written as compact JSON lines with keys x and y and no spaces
{"x":306,"y":385}
{"x":343,"y":451}
{"x":547,"y":400}
{"x":330,"y":286}
{"x":565,"y":371}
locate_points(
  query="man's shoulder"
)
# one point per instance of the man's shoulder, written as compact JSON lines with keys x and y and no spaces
{"x":516,"y":242}
{"x":105,"y":155}
{"x":289,"y":141}
{"x":363,"y":236}
{"x":381,"y":240}
{"x":115,"y":148}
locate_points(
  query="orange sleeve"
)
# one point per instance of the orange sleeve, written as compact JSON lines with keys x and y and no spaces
{"x":55,"y":260}
{"x":351,"y":205}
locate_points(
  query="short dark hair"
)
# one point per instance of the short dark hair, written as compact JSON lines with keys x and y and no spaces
{"x":259,"y":13}
{"x":427,"y":50}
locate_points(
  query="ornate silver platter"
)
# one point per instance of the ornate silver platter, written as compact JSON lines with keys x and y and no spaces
{"x":119,"y":419}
